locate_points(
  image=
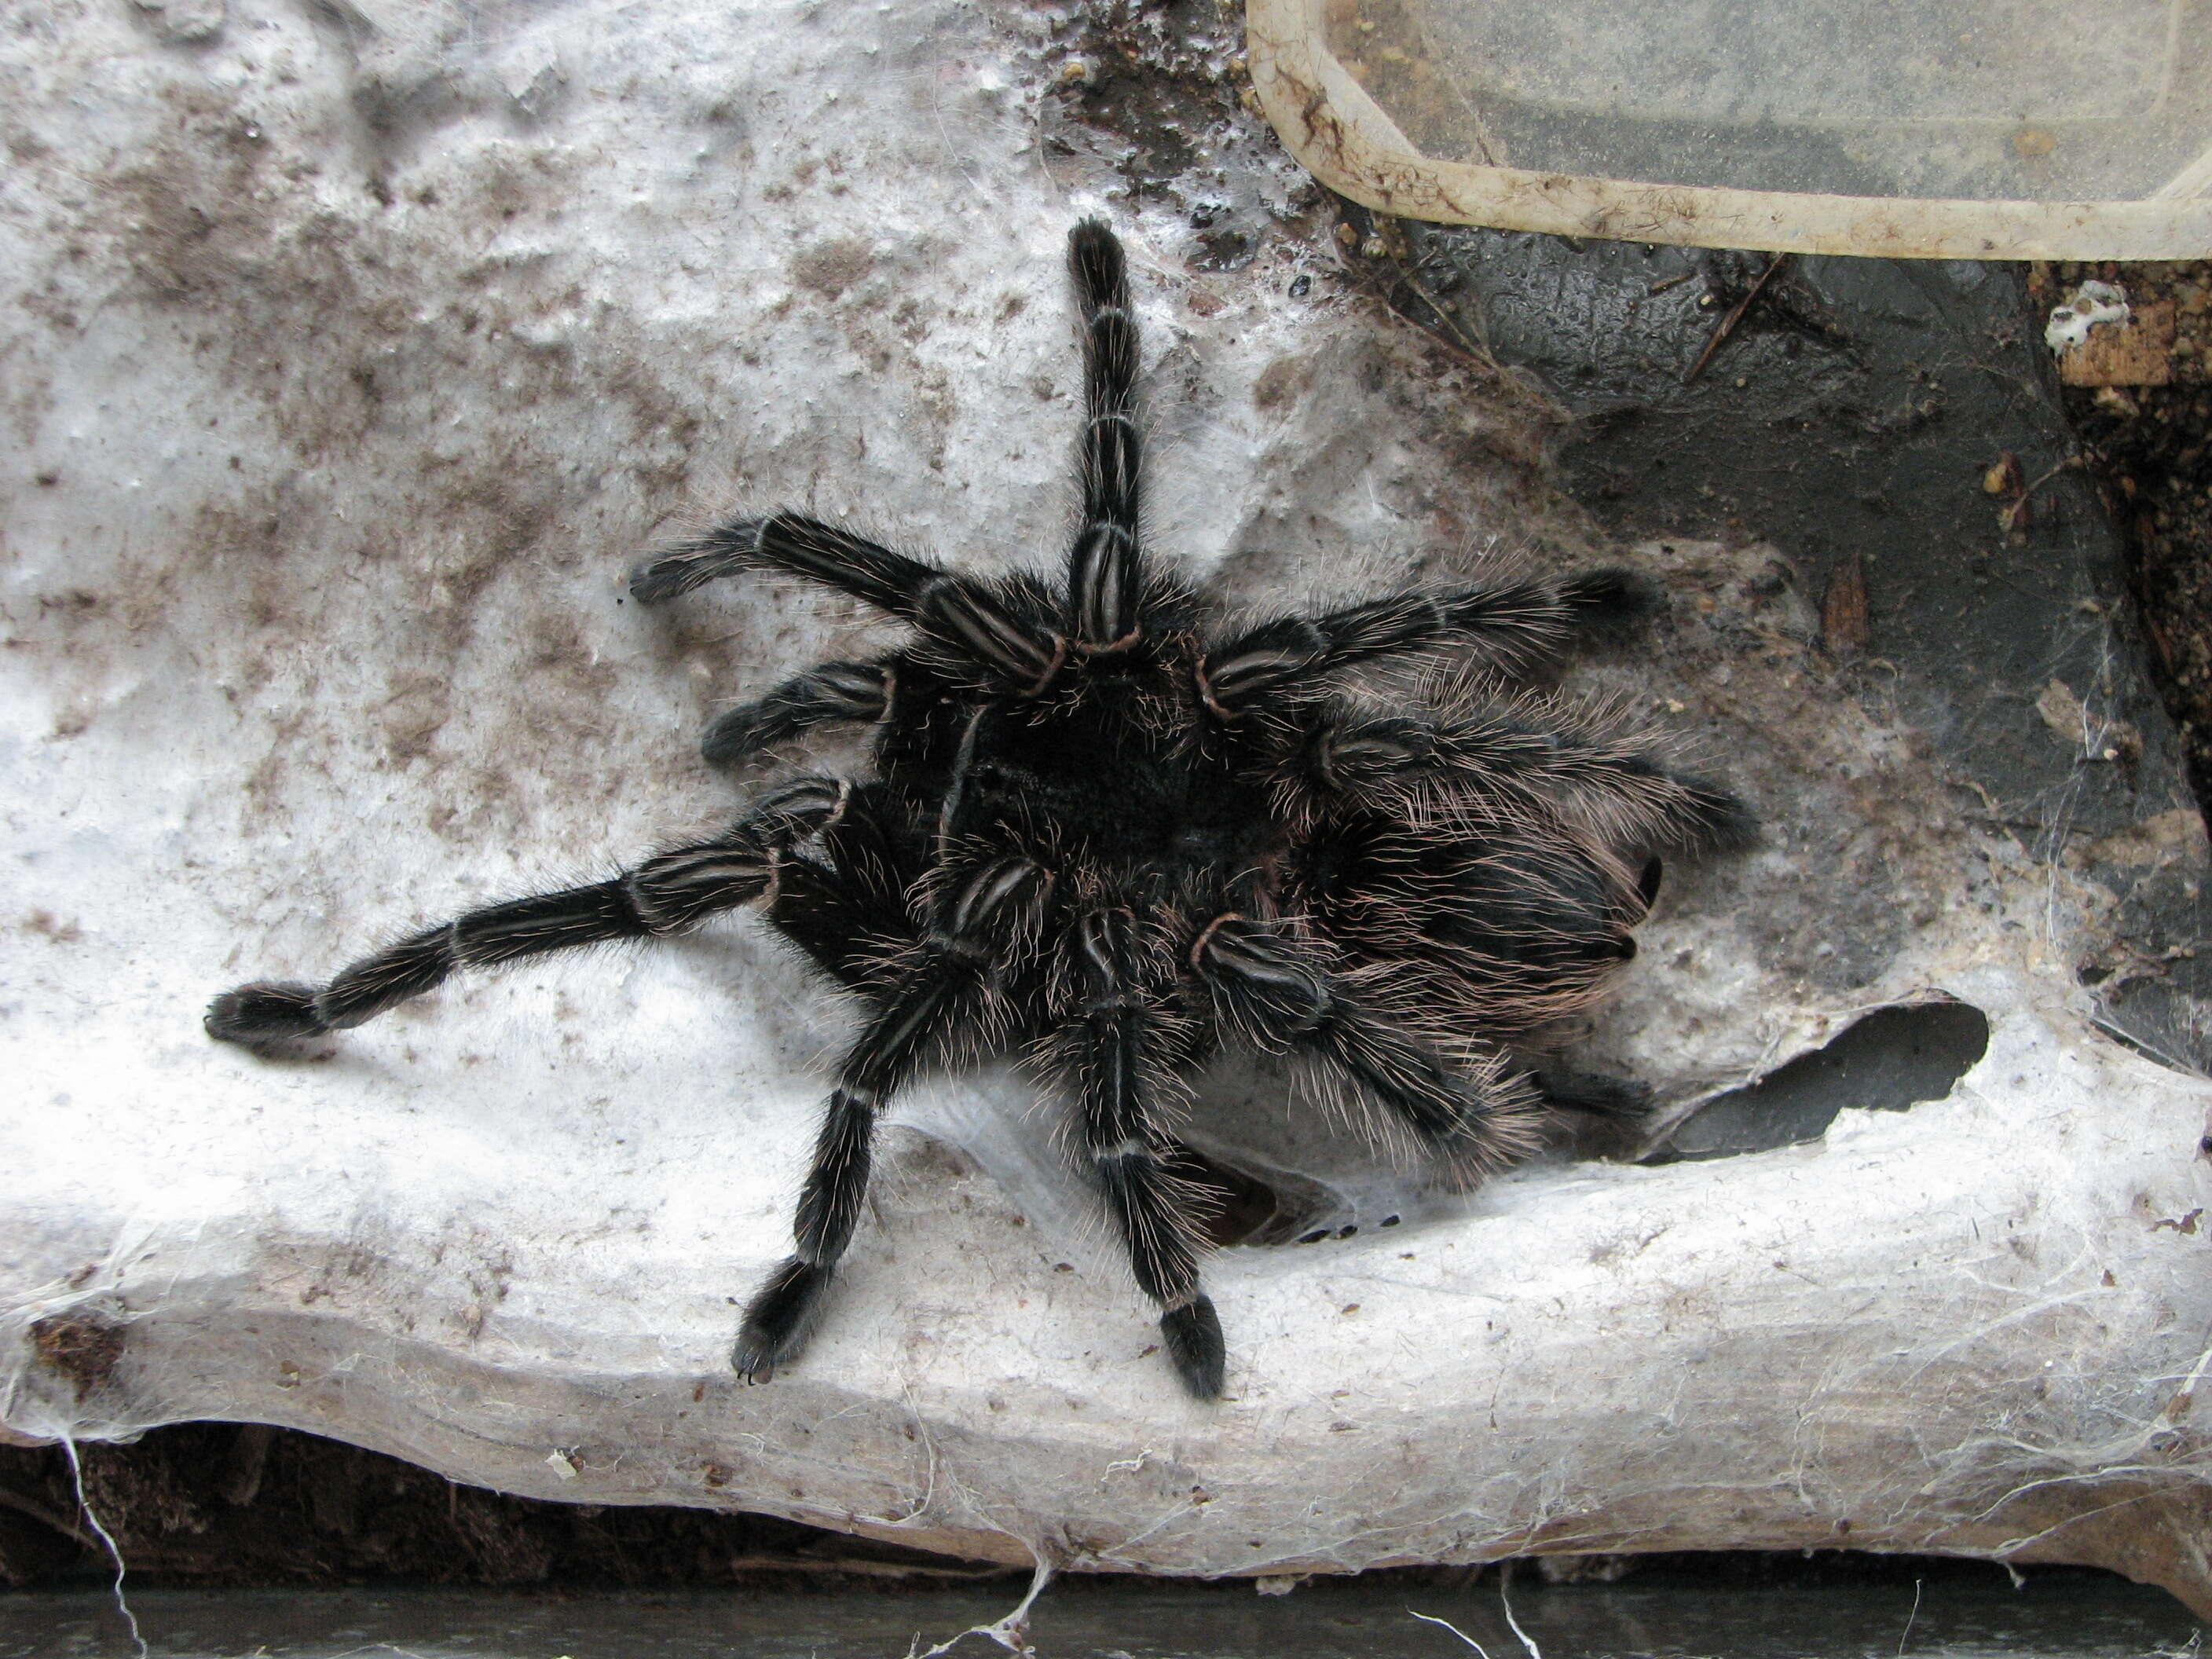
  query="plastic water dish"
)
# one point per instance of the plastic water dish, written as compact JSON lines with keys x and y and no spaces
{"x":2039,"y":129}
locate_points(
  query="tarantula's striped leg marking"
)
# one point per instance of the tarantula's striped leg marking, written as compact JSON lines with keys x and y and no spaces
{"x":972,"y":619}
{"x":1105,"y":567}
{"x":669,"y":893}
{"x":948,"y":982}
{"x":1510,"y":624}
{"x":1275,"y":992}
{"x":793,"y":543}
{"x":1622,"y":788}
{"x":1113,"y":1046}
{"x":834,"y":692}
{"x":783,"y":1311}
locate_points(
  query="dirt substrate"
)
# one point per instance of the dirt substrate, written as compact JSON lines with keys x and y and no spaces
{"x":227,"y":1503}
{"x":2150,"y":447}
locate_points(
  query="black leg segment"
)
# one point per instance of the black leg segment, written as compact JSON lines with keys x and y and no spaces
{"x":669,"y":893}
{"x":1508,"y":759}
{"x":1105,"y":575}
{"x":792,"y":543}
{"x":1510,"y":624}
{"x":835,"y":693}
{"x":978,"y":623}
{"x":1279,"y":994}
{"x":1120,"y":1053}
{"x":948,"y":978}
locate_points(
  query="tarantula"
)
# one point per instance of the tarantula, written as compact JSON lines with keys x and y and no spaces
{"x":1117,"y":830}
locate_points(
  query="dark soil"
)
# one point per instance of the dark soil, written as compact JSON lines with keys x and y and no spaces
{"x":1900,"y":431}
{"x":2150,"y":447}
{"x":228,"y":1504}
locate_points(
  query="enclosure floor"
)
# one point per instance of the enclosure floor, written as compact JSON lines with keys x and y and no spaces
{"x":2049,"y":1617}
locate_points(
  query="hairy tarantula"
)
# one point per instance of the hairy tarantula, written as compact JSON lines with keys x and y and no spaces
{"x":1119,"y":831}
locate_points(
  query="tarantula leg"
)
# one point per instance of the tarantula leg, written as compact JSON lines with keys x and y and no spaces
{"x":1105,"y":573}
{"x":834,"y":692}
{"x":1017,"y":651}
{"x":794,"y":543}
{"x":1511,"y":623}
{"x":1115,"y":1050}
{"x":1277,"y":993}
{"x":847,"y":909}
{"x":970,"y":619}
{"x":667,"y":893}
{"x":948,"y":980}
{"x":1504,"y":762}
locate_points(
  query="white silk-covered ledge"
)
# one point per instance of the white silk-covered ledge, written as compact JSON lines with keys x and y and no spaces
{"x":1974,"y":1326}
{"x":335,"y":434}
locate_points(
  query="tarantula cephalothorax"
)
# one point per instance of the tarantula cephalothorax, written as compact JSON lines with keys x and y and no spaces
{"x":1117,"y":830}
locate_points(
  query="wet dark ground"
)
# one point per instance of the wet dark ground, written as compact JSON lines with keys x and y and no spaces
{"x":2056,"y":1616}
{"x":1993,"y":555}
{"x":2150,"y":448}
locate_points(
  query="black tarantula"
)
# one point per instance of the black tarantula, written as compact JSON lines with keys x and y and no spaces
{"x":1120,"y":831}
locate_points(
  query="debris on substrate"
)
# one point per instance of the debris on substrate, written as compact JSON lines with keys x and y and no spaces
{"x":2149,"y":438}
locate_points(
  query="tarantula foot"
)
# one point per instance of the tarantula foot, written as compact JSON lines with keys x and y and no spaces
{"x":733,"y":736}
{"x":675,"y":570}
{"x":779,"y":1318}
{"x":1724,"y":822}
{"x":1193,"y":1335}
{"x":661,"y":576}
{"x":265,"y":1012}
{"x":1611,"y":597}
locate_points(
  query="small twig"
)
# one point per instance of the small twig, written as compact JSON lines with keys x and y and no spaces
{"x":2015,"y":517}
{"x":1442,"y":327}
{"x":1664,"y":283}
{"x":1726,"y":326}
{"x":1844,"y":630}
{"x":1457,"y":339}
